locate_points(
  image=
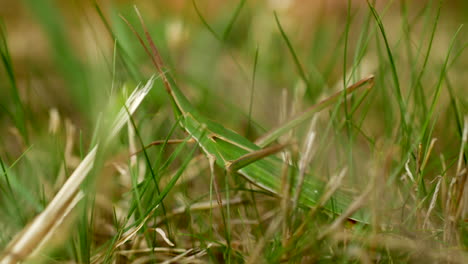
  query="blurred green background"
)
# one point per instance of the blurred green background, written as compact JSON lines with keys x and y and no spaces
{"x":66,"y":63}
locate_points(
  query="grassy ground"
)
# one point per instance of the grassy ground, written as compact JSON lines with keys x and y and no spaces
{"x":76,"y":187}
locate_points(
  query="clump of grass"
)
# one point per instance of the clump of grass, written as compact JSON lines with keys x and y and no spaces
{"x":164,"y":180}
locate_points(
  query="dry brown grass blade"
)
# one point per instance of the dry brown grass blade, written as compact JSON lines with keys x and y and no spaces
{"x":356,"y":205}
{"x":42,"y":226}
{"x":128,"y":235}
{"x":456,"y":198}
{"x":200,"y":206}
{"x":331,"y":187}
{"x":403,"y":244}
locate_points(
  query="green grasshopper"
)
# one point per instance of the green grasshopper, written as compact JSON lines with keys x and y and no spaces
{"x":237,"y":154}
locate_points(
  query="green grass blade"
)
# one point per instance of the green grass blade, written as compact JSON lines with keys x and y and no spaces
{"x":18,"y":115}
{"x":200,"y":15}
{"x":298,"y":64}
{"x":148,"y":163}
{"x":439,"y":83}
{"x":233,"y":19}
{"x":417,"y":83}
{"x":394,"y":72}
{"x":252,"y":91}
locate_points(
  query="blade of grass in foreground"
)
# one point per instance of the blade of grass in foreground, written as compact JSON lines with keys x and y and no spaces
{"x":46,"y":222}
{"x":36,"y":233}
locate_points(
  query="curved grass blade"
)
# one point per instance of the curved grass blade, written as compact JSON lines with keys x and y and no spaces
{"x":233,"y":19}
{"x":298,"y":64}
{"x":18,"y":115}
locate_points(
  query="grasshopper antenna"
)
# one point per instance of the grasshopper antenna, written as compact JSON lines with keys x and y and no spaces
{"x":154,"y":55}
